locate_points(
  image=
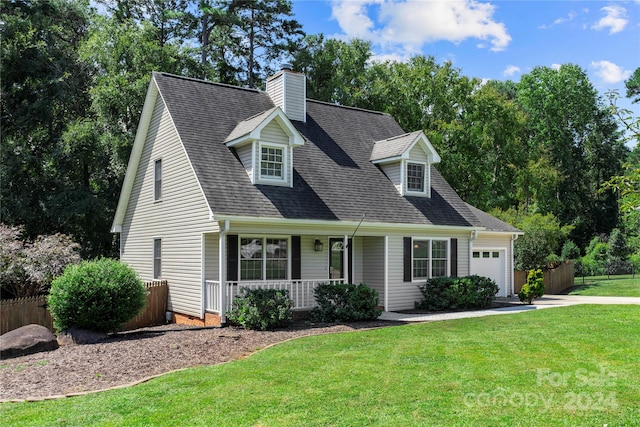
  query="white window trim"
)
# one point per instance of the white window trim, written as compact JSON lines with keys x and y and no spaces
{"x":285,"y":165}
{"x":430,"y":257}
{"x":426,"y":178}
{"x":264,"y":258}
{"x":155,"y":166}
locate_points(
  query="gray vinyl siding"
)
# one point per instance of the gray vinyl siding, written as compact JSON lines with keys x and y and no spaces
{"x":295,"y":101}
{"x":402,"y":295}
{"x":315,"y":265}
{"x":211,"y":250}
{"x":373,"y":265}
{"x":392,"y":171}
{"x":244,"y":153}
{"x":274,"y":89}
{"x":417,"y":154}
{"x":274,"y":133}
{"x":179,"y":218}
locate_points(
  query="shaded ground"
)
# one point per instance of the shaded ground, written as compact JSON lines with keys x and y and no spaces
{"x":135,"y":355}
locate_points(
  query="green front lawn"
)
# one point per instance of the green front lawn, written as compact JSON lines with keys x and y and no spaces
{"x":575,"y":365}
{"x":614,"y":286}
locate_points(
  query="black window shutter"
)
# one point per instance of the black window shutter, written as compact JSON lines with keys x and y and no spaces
{"x":454,"y":257}
{"x":296,"y":258}
{"x":232,"y":257}
{"x":407,"y":259}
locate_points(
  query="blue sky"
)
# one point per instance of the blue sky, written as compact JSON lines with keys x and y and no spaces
{"x":492,"y":39}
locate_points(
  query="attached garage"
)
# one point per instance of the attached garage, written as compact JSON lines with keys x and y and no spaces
{"x":492,"y":263}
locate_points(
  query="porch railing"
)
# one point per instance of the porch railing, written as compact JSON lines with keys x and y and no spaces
{"x":301,"y":292}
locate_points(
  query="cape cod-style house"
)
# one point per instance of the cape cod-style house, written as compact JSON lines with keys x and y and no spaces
{"x":229,"y":187}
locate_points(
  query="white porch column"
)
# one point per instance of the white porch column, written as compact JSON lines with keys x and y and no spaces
{"x":222,"y":270}
{"x":386,"y":273}
{"x":345,"y":267}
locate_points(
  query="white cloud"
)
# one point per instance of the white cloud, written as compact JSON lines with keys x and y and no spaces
{"x":408,"y":25}
{"x":556,"y":66}
{"x":511,"y":70}
{"x":610,"y":72}
{"x":559,"y":21}
{"x":615,"y":19}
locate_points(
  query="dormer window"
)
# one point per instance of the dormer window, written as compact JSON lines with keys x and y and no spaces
{"x":264,"y":144}
{"x":415,"y":177}
{"x":406,"y":160}
{"x":272,"y":161}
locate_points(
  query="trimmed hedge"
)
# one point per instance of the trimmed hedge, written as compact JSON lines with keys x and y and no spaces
{"x":262,"y":309}
{"x":455,"y":293}
{"x":98,"y":295}
{"x":345,"y":303}
{"x":533,"y":288}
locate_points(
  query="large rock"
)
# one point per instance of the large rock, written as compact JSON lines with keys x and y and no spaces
{"x":28,"y":339}
{"x":79,"y":336}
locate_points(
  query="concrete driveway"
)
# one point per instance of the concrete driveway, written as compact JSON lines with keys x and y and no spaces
{"x":547,"y":301}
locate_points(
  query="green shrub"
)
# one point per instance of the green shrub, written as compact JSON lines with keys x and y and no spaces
{"x":454,"y":293}
{"x":533,"y":288}
{"x":262,"y":309}
{"x":345,"y":303}
{"x":97,"y":295}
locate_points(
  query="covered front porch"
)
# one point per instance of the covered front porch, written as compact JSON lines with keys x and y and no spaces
{"x":297,"y":263}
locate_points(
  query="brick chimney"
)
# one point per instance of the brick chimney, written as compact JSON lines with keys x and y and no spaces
{"x":288,"y":90}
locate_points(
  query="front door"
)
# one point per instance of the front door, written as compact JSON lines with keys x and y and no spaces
{"x":336,"y":258}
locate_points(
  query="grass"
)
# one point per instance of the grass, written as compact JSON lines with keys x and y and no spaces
{"x":574,"y":365}
{"x":618,"y":286}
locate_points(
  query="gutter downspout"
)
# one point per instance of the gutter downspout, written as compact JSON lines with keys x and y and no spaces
{"x":222,"y":270}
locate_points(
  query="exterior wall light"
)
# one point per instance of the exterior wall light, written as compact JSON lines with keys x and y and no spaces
{"x":317,"y":246}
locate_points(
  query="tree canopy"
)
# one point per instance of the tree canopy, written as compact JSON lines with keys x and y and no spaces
{"x":74,"y":82}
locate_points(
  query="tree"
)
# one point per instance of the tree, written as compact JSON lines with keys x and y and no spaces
{"x":573,"y":133}
{"x":542,"y":236}
{"x":633,"y":86}
{"x":44,"y":88}
{"x":336,"y":70}
{"x":265,"y":34}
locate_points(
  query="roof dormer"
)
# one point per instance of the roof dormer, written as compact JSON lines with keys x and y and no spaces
{"x":406,"y":160}
{"x":264,"y":143}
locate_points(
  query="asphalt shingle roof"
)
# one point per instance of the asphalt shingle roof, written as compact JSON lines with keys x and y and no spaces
{"x":393,"y":147}
{"x":334,"y":178}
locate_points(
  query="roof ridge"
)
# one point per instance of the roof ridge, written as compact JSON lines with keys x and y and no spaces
{"x":194,"y":79}
{"x":399,"y":136}
{"x":332,"y":104}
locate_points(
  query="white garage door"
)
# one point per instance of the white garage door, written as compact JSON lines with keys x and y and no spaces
{"x":491,"y":263}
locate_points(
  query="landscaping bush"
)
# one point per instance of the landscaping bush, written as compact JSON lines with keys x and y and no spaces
{"x":27,"y":268}
{"x":97,"y":295}
{"x":454,"y":293}
{"x":533,"y":288}
{"x":345,"y":303}
{"x":262,"y":309}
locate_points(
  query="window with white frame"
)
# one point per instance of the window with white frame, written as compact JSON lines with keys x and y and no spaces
{"x":430,"y":258}
{"x":415,"y":177}
{"x":272,"y":162}
{"x":263,"y":258}
{"x":157,"y":258}
{"x":157,"y":180}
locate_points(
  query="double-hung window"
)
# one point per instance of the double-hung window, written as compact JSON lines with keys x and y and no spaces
{"x":157,"y":180}
{"x":263,"y":258}
{"x":157,"y":258}
{"x":416,"y":177}
{"x":430,"y":258}
{"x":272,"y":162}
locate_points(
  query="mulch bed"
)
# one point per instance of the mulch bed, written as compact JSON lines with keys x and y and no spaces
{"x":133,"y":356}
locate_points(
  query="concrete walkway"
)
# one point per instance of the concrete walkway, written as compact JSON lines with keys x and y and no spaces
{"x":547,"y":301}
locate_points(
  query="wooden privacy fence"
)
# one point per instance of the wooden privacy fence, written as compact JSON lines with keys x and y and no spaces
{"x":555,"y":280}
{"x":18,"y":312}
